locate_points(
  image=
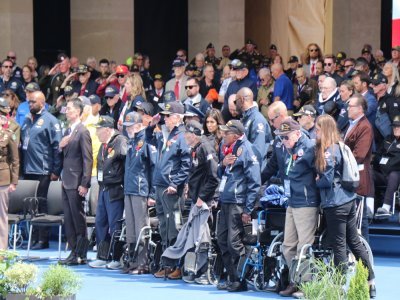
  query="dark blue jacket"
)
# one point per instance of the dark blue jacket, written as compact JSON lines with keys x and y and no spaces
{"x":257,"y":132}
{"x":172,"y":164}
{"x":139,"y":166}
{"x":90,"y":89}
{"x":301,"y":174}
{"x":15,"y":85}
{"x":242,"y":178}
{"x":40,"y":138}
{"x":372,"y":107}
{"x":330,"y":188}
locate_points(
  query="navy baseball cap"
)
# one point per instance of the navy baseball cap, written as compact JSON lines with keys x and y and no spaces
{"x":94,"y":99}
{"x":234,"y":126}
{"x":105,"y":122}
{"x":173,"y":108}
{"x":194,"y":127}
{"x":178,"y":63}
{"x":132,"y":118}
{"x":111,"y":91}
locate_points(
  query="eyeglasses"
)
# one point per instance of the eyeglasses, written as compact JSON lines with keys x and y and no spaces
{"x":328,"y":64}
{"x":7,"y":67}
{"x":108,"y":98}
{"x":11,"y":57}
{"x":189,"y":87}
{"x":313,"y":50}
{"x":120,"y":75}
{"x":285,"y":137}
{"x":348,"y":66}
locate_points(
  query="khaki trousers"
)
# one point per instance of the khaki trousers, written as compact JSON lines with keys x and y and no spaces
{"x":4,"y":217}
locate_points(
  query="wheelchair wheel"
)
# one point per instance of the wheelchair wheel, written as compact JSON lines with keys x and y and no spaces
{"x":258,"y":282}
{"x":155,"y":258}
{"x":19,"y":242}
{"x":369,"y":251}
{"x":215,"y":269}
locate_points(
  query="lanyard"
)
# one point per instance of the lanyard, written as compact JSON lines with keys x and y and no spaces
{"x":289,"y":165}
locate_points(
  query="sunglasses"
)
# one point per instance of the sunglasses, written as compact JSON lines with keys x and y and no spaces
{"x":108,"y":98}
{"x":189,"y":87}
{"x":284,"y":137}
{"x":348,"y":66}
{"x":328,"y":64}
{"x":313,"y":50}
{"x":11,"y":57}
{"x":120,"y":75}
{"x":7,"y":67}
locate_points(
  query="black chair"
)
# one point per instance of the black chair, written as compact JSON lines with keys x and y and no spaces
{"x":17,"y":209}
{"x":54,"y":217}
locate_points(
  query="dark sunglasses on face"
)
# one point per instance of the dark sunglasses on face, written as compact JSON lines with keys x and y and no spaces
{"x":7,"y":67}
{"x":189,"y":87}
{"x":285,"y":137}
{"x":120,"y":75}
{"x":313,"y":50}
{"x":11,"y":57}
{"x":328,"y":64}
{"x":108,"y":98}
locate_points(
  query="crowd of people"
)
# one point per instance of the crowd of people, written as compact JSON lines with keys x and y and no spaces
{"x":212,"y":132}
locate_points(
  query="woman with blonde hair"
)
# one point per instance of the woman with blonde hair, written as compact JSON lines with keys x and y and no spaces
{"x":137,"y":95}
{"x":392,"y":74}
{"x":338,"y":203}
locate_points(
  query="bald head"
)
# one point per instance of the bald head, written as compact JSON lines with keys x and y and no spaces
{"x":37,"y":102}
{"x":39,"y":97}
{"x":277,"y":70}
{"x":277,"y":112}
{"x":247,"y":94}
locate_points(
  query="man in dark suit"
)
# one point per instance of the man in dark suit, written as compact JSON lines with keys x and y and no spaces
{"x":76,"y":147}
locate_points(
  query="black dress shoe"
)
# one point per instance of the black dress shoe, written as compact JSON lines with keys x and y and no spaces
{"x":70,"y":257}
{"x":224,"y":285}
{"x":40,"y":246}
{"x":237,"y":286}
{"x":372,"y":291}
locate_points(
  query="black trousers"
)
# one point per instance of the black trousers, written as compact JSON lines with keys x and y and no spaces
{"x":391,"y":181}
{"x":74,"y":216}
{"x":41,"y":233}
{"x":230,"y":233}
{"x":342,"y":231}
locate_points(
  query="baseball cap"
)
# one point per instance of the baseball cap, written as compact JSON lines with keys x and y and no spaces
{"x":173,"y":108}
{"x":121,"y":69}
{"x":105,"y":122}
{"x":178,"y":63}
{"x":308,"y":110}
{"x":68,"y":90}
{"x":239,"y":65}
{"x":94,"y":99}
{"x":234,"y":126}
{"x":397,"y":48}
{"x":147,"y":108}
{"x":194,"y":127}
{"x":378,"y":79}
{"x":82,"y":69}
{"x":366,"y":49}
{"x":158,"y":77}
{"x":85,"y":100}
{"x":396,"y":121}
{"x":111,"y":91}
{"x":287,"y":126}
{"x":32,"y":87}
{"x":293,"y":59}
{"x":132,"y":118}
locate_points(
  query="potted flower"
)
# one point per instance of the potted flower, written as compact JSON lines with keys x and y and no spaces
{"x":58,"y":283}
{"x":18,"y":278}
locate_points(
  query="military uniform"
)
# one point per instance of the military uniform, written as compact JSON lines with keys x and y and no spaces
{"x":55,"y":87}
{"x":265,"y":92}
{"x":9,"y":168}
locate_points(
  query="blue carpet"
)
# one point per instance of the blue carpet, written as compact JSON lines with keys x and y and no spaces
{"x":102,"y":284}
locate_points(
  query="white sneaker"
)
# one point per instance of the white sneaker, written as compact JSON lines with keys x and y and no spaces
{"x":98,"y":263}
{"x":114,"y":265}
{"x":203,"y":279}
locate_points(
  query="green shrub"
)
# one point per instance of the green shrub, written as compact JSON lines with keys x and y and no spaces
{"x":327,"y":283}
{"x":359,"y":289}
{"x":20,"y":276}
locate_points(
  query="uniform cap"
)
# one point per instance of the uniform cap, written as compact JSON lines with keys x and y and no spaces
{"x":68,"y":90}
{"x":82,"y":69}
{"x":32,"y":87}
{"x":287,"y":126}
{"x":273,"y":47}
{"x":192,"y":111}
{"x":234,"y":126}
{"x":250,"y":42}
{"x":105,"y":122}
{"x":194,"y":127}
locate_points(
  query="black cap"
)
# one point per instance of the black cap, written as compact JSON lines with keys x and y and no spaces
{"x":82,"y":69}
{"x":158,"y":77}
{"x":135,"y":69}
{"x":378,"y":79}
{"x":111,"y":91}
{"x":94,"y":99}
{"x":32,"y":87}
{"x":273,"y":47}
{"x":396,"y":121}
{"x":234,"y":126}
{"x":366,"y":49}
{"x":293,"y":59}
{"x":238,"y":65}
{"x":132,"y":118}
{"x":287,"y":126}
{"x":61,"y":57}
{"x":178,"y":63}
{"x":105,"y":122}
{"x":173,"y":108}
{"x":210,"y":46}
{"x":68,"y":90}
{"x":190,"y":67}
{"x":250,"y":42}
{"x":340,"y":56}
{"x":308,"y":110}
{"x":147,"y":108}
{"x":194,"y":127}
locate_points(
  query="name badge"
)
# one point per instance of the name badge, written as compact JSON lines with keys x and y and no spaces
{"x":222,"y":184}
{"x":100,"y":175}
{"x":155,"y":99}
{"x":361,"y":167}
{"x":383,"y":160}
{"x":26,"y":143}
{"x":286,"y":186}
